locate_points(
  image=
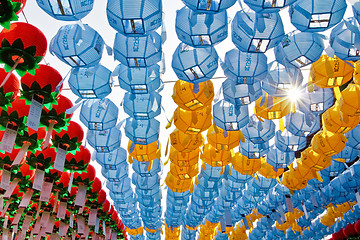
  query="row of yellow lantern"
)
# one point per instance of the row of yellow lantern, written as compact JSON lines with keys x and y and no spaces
{"x":334,"y":212}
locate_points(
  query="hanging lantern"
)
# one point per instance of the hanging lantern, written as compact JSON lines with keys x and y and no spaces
{"x":69,"y":10}
{"x":104,"y":141}
{"x":123,"y":19}
{"x":43,"y":84}
{"x":348,"y":103}
{"x":299,"y":49}
{"x":118,"y":170}
{"x":79,"y":161}
{"x":69,"y":139}
{"x":353,"y":137}
{"x":316,"y":101}
{"x":335,"y":121}
{"x":241,"y":94}
{"x":192,"y":122}
{"x":348,"y":154}
{"x":334,"y":169}
{"x":253,"y":150}
{"x":328,"y":143}
{"x":262,"y":184}
{"x":99,"y":114}
{"x":256,"y":32}
{"x":184,"y":172}
{"x":281,"y":79}
{"x":221,"y":140}
{"x":329,"y":72}
{"x":90,"y":82}
{"x":314,"y":160}
{"x":144,"y":153}
{"x":229,"y":117}
{"x":268,"y":171}
{"x":244,"y":67}
{"x":107,"y":160}
{"x":142,"y":168}
{"x":344,"y":40}
{"x":269,"y":107}
{"x":199,"y":30}
{"x":138,"y":51}
{"x":142,"y":106}
{"x":184,"y":142}
{"x":142,"y":131}
{"x":30,"y":141}
{"x":278,"y":159}
{"x":194,"y":65}
{"x":317,"y":16}
{"x":301,"y":124}
{"x":215,"y":157}
{"x":244,"y":165}
{"x":139,"y":80}
{"x":259,"y":132}
{"x":263,"y":6}
{"x":77,"y":46}
{"x":192,"y":97}
{"x":177,"y":185}
{"x":287,"y":142}
{"x":23,"y":46}
{"x":10,"y":9}
{"x":293,"y":183}
{"x":209,"y":7}
{"x":185,"y":159}
{"x":9,"y":90}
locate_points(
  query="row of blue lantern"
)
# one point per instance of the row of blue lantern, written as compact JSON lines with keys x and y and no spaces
{"x":138,"y":48}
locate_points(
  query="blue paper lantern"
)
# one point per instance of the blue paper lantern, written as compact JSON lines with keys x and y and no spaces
{"x":120,"y":186}
{"x":353,"y":137}
{"x":278,"y":159}
{"x":356,"y":11}
{"x":99,"y":114}
{"x":116,"y":175}
{"x":104,"y":141}
{"x":194,"y":65}
{"x":252,"y":150}
{"x":244,"y":67}
{"x":142,"y":132}
{"x":209,"y":6}
{"x":147,"y":169}
{"x":69,"y":10}
{"x":142,"y":106}
{"x":123,"y":197}
{"x":124,"y":19}
{"x":241,"y":94}
{"x":301,"y":124}
{"x":348,"y":154}
{"x":299,"y":49}
{"x":146,"y":183}
{"x":77,"y":46}
{"x":265,"y":6}
{"x":262,"y":184}
{"x":138,"y":51}
{"x":316,"y":15}
{"x":237,"y":177}
{"x":344,"y":40}
{"x":287,"y":142}
{"x":281,"y":79}
{"x":92,"y":82}
{"x":334,"y":169}
{"x":259,"y":132}
{"x":201,"y":30}
{"x":139,"y":80}
{"x":316,"y":101}
{"x":110,"y":160}
{"x":256,"y":32}
{"x":229,"y":117}
{"x":213,"y":174}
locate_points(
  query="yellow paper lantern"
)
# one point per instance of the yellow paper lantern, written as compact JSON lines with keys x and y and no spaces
{"x":328,"y":143}
{"x":335,"y":121}
{"x":144,"y":153}
{"x":272,"y":107}
{"x":223,"y":141}
{"x":184,"y":142}
{"x":268,"y":171}
{"x":189,"y":98}
{"x":349,"y":103}
{"x":329,"y":72}
{"x":177,"y":184}
{"x":184,"y":172}
{"x":193,"y":122}
{"x":314,"y":160}
{"x":244,"y":165}
{"x":215,"y":157}
{"x":291,"y":182}
{"x":184,"y":159}
{"x":303,"y":172}
{"x":356,"y":76}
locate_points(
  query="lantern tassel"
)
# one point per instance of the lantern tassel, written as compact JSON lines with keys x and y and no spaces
{"x":21,"y":154}
{"x":48,"y":134}
{"x":16,"y":63}
{"x":281,"y":124}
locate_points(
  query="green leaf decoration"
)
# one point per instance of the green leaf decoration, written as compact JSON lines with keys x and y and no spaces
{"x":32,"y":71}
{"x":31,"y":50}
{"x":6,"y":24}
{"x":5,"y":43}
{"x":18,"y":44}
{"x":7,"y":68}
{"x":20,"y":72}
{"x":38,"y":59}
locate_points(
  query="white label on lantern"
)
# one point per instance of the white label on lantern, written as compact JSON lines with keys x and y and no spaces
{"x":46,"y":191}
{"x":81,"y":225}
{"x":6,"y":221}
{"x":71,"y":222}
{"x":357,"y":195}
{"x":5,"y":235}
{"x":97,"y":225}
{"x":113,"y":235}
{"x":5,"y":179}
{"x":26,"y":199}
{"x":21,"y":154}
{"x":289,"y":203}
{"x":44,"y":219}
{"x":36,"y":106}
{"x":9,"y":137}
{"x":60,"y":157}
{"x":38,"y":179}
{"x":92,"y":217}
{"x":11,"y":188}
{"x":71,"y":181}
{"x":50,"y":225}
{"x":305,"y":211}
{"x":62,"y":210}
{"x":18,"y":215}
{"x":63,"y":229}
{"x":81,"y":196}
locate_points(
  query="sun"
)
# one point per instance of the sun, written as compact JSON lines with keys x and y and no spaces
{"x":294,"y":94}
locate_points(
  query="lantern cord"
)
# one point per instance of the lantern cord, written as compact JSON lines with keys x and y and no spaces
{"x":24,"y":16}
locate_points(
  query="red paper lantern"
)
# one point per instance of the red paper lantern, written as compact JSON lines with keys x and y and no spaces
{"x":93,"y":191}
{"x":86,"y":177}
{"x":9,"y":90}
{"x":23,"y":46}
{"x":15,"y":115}
{"x":349,"y":230}
{"x":70,"y":138}
{"x":79,"y":161}
{"x":34,"y":138}
{"x":41,"y":159}
{"x":9,"y":10}
{"x":357,"y":227}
